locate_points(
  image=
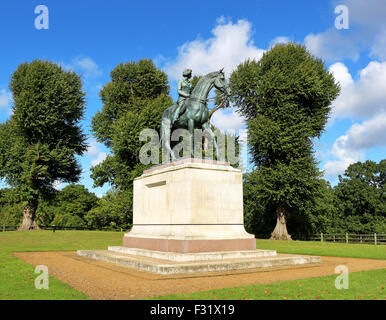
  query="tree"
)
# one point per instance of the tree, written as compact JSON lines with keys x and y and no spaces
{"x":323,"y":214}
{"x":133,"y":100}
{"x":258,"y":218}
{"x":361,"y":197}
{"x":10,"y":208}
{"x":131,"y":87}
{"x":115,"y":209}
{"x":286,"y":98}
{"x":68,"y":208}
{"x":38,"y":144}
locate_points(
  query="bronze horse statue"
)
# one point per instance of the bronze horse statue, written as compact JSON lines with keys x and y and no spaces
{"x":196,"y":113}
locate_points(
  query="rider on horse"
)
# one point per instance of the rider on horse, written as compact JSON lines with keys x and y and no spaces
{"x":184,"y":91}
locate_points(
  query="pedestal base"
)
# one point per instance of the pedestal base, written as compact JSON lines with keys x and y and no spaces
{"x":191,"y":205}
{"x":172,"y":263}
{"x":189,"y":246}
{"x":187,"y":218}
{"x":201,"y":256}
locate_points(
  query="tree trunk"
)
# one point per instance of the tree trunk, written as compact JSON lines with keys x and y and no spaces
{"x":29,"y":222}
{"x":280,"y":232}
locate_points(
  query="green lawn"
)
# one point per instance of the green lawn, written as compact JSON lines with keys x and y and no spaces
{"x":17,"y":278}
{"x":366,"y":285}
{"x":325,"y":248}
{"x":362,"y":285}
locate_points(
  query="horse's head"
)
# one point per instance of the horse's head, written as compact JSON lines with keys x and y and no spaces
{"x":221,"y":84}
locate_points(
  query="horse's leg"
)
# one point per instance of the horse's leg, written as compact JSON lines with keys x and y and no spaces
{"x":206,"y":127}
{"x":166,"y":128}
{"x":191,"y":132}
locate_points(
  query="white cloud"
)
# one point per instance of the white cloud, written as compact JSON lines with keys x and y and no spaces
{"x":370,"y":133}
{"x":93,"y":148}
{"x":230,"y":45}
{"x":336,"y":167}
{"x":367,"y":28}
{"x":279,"y":40}
{"x":101,"y":157}
{"x":95,"y":154}
{"x":341,"y":74}
{"x":225,"y":120}
{"x":378,"y":49}
{"x":363,"y":98}
{"x":350,"y":147}
{"x":367,"y":13}
{"x":333,"y":45}
{"x":58,"y":185}
{"x":5,"y":100}
{"x":84,"y":65}
{"x":87,"y":66}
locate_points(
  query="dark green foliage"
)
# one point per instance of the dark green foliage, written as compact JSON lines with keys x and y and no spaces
{"x":323,"y":213}
{"x":361,"y":198}
{"x":69,"y":221}
{"x":133,"y":100}
{"x":362,"y":190}
{"x":10,"y":208}
{"x":286,"y":98}
{"x":356,"y":205}
{"x":132,"y":85}
{"x":115,"y":209}
{"x":68,"y":208}
{"x":48,"y":104}
{"x":289,"y":78}
{"x":258,"y":218}
{"x":296,"y":189}
{"x":39,"y":143}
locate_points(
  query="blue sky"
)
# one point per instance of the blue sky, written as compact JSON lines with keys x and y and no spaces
{"x":92,"y":37}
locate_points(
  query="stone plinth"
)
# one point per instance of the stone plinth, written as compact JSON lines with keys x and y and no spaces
{"x":189,"y":206}
{"x":193,"y":263}
{"x":188,"y":218}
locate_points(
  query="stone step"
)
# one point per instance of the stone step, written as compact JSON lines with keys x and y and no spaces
{"x":171,"y":267}
{"x":202,"y":256}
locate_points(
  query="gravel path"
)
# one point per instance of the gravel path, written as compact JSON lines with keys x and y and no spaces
{"x":102,"y":280}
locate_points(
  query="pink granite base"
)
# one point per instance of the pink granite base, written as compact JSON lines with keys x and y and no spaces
{"x":190,"y":246}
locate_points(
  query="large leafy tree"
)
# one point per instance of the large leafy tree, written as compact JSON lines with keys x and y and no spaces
{"x":286,"y":98}
{"x":361,"y":197}
{"x":39,"y":143}
{"x":133,"y":100}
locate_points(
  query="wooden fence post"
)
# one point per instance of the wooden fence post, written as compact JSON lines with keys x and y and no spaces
{"x":375,"y":238}
{"x":346,"y":237}
{"x":321,"y":237}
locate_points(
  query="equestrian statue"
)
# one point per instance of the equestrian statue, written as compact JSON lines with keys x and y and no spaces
{"x":191,"y":110}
